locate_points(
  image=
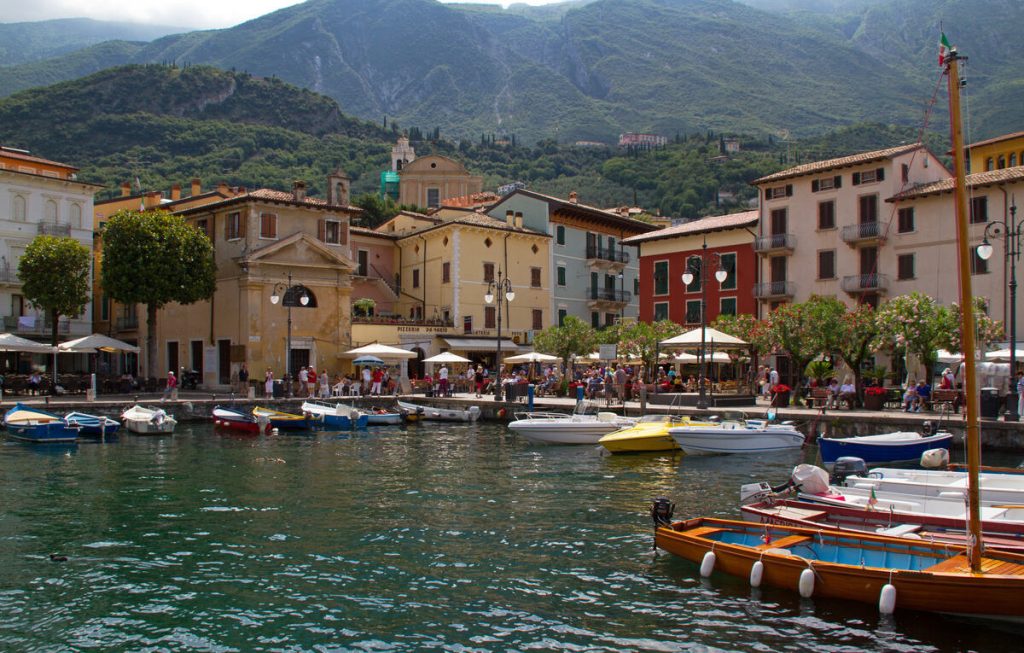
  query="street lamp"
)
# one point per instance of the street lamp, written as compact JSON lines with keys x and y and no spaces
{"x":1011,"y":233}
{"x":721,"y":274}
{"x":297,"y":295}
{"x":504,"y":286}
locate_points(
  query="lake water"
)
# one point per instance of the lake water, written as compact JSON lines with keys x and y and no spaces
{"x":431,"y":537}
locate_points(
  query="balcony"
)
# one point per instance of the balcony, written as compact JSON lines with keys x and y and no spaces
{"x":609,"y":297}
{"x":127,"y":323}
{"x":9,"y":277}
{"x":606,"y":257}
{"x":865,"y":233}
{"x":775,"y":290}
{"x":775,"y":243}
{"x":51,"y":229}
{"x":14,"y":324}
{"x":862,"y":283}
{"x":392,"y":319}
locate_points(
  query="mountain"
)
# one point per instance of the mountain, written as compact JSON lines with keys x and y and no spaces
{"x":22,"y":43}
{"x":68,"y":66}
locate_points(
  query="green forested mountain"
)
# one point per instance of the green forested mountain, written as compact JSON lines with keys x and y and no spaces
{"x":22,"y":43}
{"x":590,"y":70}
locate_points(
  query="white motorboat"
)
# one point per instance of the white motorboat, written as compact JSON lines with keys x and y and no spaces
{"x":995,"y":488}
{"x":737,"y":436}
{"x":584,"y":426}
{"x":470,"y":414}
{"x":148,"y":421}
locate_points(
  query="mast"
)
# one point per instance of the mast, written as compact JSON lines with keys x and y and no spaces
{"x":973,"y":429}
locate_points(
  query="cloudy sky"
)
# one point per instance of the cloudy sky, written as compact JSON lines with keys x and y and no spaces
{"x":183,"y":13}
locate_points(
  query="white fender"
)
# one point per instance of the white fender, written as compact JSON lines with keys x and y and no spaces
{"x":806,"y":584}
{"x":707,"y":565}
{"x":756,"y":574}
{"x":887,"y":599}
{"x":216,"y":422}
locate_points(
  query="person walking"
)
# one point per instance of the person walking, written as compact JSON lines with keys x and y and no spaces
{"x":378,"y":379}
{"x":478,"y":377}
{"x":171,"y":389}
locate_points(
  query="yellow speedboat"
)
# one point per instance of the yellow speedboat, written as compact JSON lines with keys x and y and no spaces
{"x":649,"y":434}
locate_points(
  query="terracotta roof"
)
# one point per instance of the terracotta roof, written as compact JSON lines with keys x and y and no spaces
{"x":997,"y":139}
{"x":268,"y":195}
{"x":366,"y":231}
{"x":21,"y":156}
{"x":469,"y":201}
{"x":841,"y":162}
{"x":584,"y":210}
{"x":1003,"y":176}
{"x":703,"y":225}
{"x":473,"y":219}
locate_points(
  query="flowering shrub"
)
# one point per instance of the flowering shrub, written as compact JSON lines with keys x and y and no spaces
{"x":875,"y":391}
{"x":780,"y":388}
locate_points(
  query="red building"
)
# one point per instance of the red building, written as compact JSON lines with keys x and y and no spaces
{"x":665,"y":255}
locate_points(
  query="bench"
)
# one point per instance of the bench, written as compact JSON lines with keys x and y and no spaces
{"x":818,"y":397}
{"x":946,"y":397}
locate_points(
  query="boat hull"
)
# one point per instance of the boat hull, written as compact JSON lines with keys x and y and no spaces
{"x":698,"y":441}
{"x":567,"y":433}
{"x":145,"y":421}
{"x":470,"y":414}
{"x":935,"y":578}
{"x":39,"y":426}
{"x":642,"y":438}
{"x":384,"y":419}
{"x":235,"y":420}
{"x":880,"y":450}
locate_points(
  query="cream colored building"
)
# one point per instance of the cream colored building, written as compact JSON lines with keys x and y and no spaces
{"x":428,"y":180}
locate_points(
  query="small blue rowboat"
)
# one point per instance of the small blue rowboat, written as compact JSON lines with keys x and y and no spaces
{"x":338,"y":417}
{"x":901,"y":446}
{"x":35,"y":425}
{"x":92,"y":426}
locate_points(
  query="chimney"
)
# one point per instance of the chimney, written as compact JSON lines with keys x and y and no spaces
{"x":519,"y":219}
{"x":197,"y":186}
{"x":223,"y":188}
{"x":175,"y":192}
{"x":573,"y":198}
{"x":299,"y":190}
{"x":126,"y":189}
{"x":152,"y":199}
{"x":510,"y":217}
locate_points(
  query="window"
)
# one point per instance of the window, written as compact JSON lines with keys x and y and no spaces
{"x":868,"y":176}
{"x":433,"y":198}
{"x":905,"y":173}
{"x":233,"y":226}
{"x":331,"y":232}
{"x":488,"y":272}
{"x":535,"y":277}
{"x":51,"y":211}
{"x":636,"y":286}
{"x":660,"y":311}
{"x":827,"y":264}
{"x":203,"y":225}
{"x":661,"y":277}
{"x":776,"y":192}
{"x":780,"y":220}
{"x":1001,"y":162}
{"x":827,"y":215}
{"x":826,"y":183}
{"x":19,"y":208}
{"x":728,"y":263}
{"x":905,"y":220}
{"x":979,"y":210}
{"x":538,"y":319}
{"x":609,"y":319}
{"x":489,"y":317}
{"x":905,"y":266}
{"x":595,"y":319}
{"x":446,"y":272}
{"x":868,"y":205}
{"x":1013,"y":159}
{"x":988,"y":164}
{"x":727,"y":306}
{"x":978,"y":264}
{"x":75,"y":216}
{"x":363,"y":257}
{"x":693,"y":265}
{"x":268,"y":225}
{"x":104,"y":307}
{"x":415,"y":278}
{"x":693,"y":311}
{"x":560,"y":235}
{"x":561,"y":275}
{"x":561,"y":316}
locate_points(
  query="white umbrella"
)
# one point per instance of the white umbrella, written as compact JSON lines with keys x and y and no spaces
{"x":11,"y":342}
{"x":710,"y":336}
{"x":946,"y":358}
{"x":381,"y":351}
{"x":715,"y":357}
{"x":1000,"y":355}
{"x":446,"y":357}
{"x":533,"y":357}
{"x":96,"y":342}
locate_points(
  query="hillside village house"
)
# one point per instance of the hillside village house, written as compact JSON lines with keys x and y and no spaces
{"x":428,"y":180}
{"x":593,"y":275}
{"x":666,"y":254}
{"x":39,"y":196}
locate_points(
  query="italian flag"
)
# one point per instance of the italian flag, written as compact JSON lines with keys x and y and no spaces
{"x":943,"y":49}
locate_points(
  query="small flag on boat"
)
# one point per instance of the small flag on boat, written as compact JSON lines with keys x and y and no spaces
{"x":767,"y":537}
{"x":872,"y":500}
{"x":943,"y":49}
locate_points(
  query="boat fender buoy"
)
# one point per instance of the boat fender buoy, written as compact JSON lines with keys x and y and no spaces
{"x":501,"y":413}
{"x":273,"y":431}
{"x":806,"y":585}
{"x":887,"y":599}
{"x":756,"y":574}
{"x":707,"y":565}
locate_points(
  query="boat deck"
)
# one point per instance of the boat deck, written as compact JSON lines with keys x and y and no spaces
{"x":959,"y":564}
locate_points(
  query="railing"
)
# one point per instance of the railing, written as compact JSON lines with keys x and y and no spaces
{"x":51,"y":229}
{"x":395,"y":319}
{"x":864,"y":283}
{"x":42,"y":327}
{"x":611,"y":295}
{"x":769,"y":289}
{"x":605,"y":254}
{"x":774,"y":242}
{"x":865,"y":231}
{"x":127,"y":323}
{"x":7,"y":275}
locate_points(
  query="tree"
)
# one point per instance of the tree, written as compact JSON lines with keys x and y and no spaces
{"x":55,"y":277}
{"x":986,"y":329}
{"x":914,"y":323}
{"x":154,"y":258}
{"x":856,"y":332}
{"x":574,"y":338}
{"x":640,"y":340}
{"x":794,"y":329}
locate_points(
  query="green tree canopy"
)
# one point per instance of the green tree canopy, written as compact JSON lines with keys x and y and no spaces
{"x":640,"y":340}
{"x":154,"y":258}
{"x":915,"y":323}
{"x":55,"y":277}
{"x":573,"y":339}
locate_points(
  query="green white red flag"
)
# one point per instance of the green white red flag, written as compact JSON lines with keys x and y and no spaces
{"x":943,"y":49}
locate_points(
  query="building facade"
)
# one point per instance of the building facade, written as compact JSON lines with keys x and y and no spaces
{"x":428,"y":180}
{"x":1006,"y":151}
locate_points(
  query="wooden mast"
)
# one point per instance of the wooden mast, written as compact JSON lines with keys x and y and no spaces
{"x":973,"y":430}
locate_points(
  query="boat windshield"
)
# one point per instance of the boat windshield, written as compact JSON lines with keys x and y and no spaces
{"x":650,"y":419}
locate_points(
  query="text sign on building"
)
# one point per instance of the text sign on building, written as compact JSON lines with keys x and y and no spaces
{"x":608,"y":352}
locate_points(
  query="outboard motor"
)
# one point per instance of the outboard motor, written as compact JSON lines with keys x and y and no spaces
{"x":847,"y":466}
{"x":661,"y":511}
{"x":926,"y":428}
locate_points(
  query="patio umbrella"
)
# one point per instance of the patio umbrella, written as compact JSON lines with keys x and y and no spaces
{"x":533,"y":357}
{"x":446,"y":357}
{"x":710,"y":336}
{"x":381,"y":351}
{"x":368,"y":360}
{"x":1002,"y":355}
{"x":11,"y":342}
{"x":94,"y":343}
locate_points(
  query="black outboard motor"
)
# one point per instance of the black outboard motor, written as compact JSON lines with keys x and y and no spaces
{"x":926,"y":428}
{"x":661,"y":511}
{"x":189,"y":379}
{"x":847,"y":466}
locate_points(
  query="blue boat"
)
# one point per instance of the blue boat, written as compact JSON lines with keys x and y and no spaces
{"x":93,"y":426}
{"x":339,"y":417}
{"x":901,"y":446}
{"x":35,"y":425}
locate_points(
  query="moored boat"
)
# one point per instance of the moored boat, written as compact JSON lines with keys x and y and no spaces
{"x":586,"y":425}
{"x":235,"y":419}
{"x":737,"y":436}
{"x":383,"y":417}
{"x":148,"y":421}
{"x":39,"y":426}
{"x":470,"y":414}
{"x":337,"y":416}
{"x":901,"y":446}
{"x":283,"y":421}
{"x":92,"y":426}
{"x":994,"y":488}
{"x":649,"y":434}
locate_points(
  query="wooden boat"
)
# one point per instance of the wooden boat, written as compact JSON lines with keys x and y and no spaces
{"x":470,"y":414}
{"x":148,"y":421}
{"x":235,"y":419}
{"x":336,"y":416}
{"x":586,"y":425}
{"x":649,"y":434}
{"x":283,"y":421}
{"x":736,"y":436}
{"x":39,"y":426}
{"x":383,"y":417}
{"x":902,"y":446}
{"x":92,"y":426}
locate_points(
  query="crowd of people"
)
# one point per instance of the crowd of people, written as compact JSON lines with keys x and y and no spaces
{"x":308,"y":383}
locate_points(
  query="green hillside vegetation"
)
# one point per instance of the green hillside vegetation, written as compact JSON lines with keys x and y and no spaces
{"x":22,"y":43}
{"x":73,"y":65}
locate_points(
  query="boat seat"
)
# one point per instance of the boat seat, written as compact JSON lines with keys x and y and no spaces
{"x":899,"y":530}
{"x":789,"y":540}
{"x":776,"y":551}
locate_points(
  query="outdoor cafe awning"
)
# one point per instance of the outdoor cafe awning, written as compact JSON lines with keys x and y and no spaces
{"x":481,"y":344}
{"x":711,"y":337}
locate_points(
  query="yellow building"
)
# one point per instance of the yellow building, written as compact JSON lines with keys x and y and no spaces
{"x":1005,"y":151}
{"x":428,"y":180}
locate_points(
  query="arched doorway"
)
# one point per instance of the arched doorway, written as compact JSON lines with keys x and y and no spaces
{"x":416,"y":364}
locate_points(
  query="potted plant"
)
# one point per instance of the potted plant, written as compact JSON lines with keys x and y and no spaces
{"x":364,"y":307}
{"x":780,"y":395}
{"x":819,"y":371}
{"x":874,"y":397}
